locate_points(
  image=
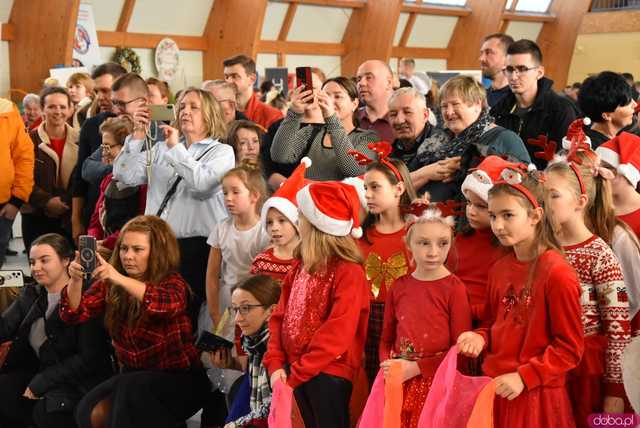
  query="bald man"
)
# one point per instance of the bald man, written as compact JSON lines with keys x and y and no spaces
{"x":375,"y":86}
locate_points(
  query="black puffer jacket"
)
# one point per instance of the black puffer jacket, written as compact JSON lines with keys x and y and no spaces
{"x":72,"y":360}
{"x":550,"y":115}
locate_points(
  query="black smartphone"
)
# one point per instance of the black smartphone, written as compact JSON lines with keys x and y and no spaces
{"x":87,"y":249}
{"x":210,"y":342}
{"x":303,"y":77}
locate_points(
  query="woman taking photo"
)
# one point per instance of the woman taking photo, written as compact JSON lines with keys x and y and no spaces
{"x":49,"y":365}
{"x":320,"y":124}
{"x":183,"y":175}
{"x":144,"y":302}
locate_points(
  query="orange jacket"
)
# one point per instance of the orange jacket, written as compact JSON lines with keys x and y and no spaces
{"x":16,"y":157}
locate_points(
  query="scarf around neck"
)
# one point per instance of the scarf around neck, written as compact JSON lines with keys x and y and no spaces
{"x":255,"y":346}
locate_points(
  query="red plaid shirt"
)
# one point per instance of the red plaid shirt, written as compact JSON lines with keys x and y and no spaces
{"x":161,"y":339}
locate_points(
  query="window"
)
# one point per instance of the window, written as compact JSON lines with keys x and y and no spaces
{"x":535,"y":6}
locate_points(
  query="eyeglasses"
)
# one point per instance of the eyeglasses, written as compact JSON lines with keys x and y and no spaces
{"x":122,"y":105}
{"x":520,"y":69}
{"x":244,"y":309}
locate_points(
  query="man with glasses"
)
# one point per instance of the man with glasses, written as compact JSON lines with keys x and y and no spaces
{"x":531,"y":108}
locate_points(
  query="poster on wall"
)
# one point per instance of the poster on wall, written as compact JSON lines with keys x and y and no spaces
{"x":279,"y":78}
{"x":86,"y":51}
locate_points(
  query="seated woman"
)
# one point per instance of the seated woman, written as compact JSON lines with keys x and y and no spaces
{"x":49,"y":365}
{"x":471,"y":135}
{"x":144,"y":302}
{"x":115,"y":206}
{"x":320,"y":124}
{"x":252,"y":302}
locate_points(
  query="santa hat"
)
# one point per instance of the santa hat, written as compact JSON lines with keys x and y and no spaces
{"x":358,"y":184}
{"x":332,"y":207}
{"x":485,"y":175}
{"x":284,"y":199}
{"x":623,"y":153}
{"x":576,"y":132}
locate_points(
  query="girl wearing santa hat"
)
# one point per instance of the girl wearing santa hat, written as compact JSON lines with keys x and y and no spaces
{"x":279,"y":217}
{"x":425,"y":311}
{"x":319,"y":327}
{"x":622,"y":156}
{"x":571,"y":184}
{"x":388,"y":192}
{"x":475,"y":248}
{"x":533,"y":333}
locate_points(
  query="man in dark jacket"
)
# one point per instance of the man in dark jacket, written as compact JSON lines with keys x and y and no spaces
{"x":532,"y":108}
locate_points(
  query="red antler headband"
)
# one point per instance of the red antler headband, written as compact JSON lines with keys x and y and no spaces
{"x":549,"y":150}
{"x":513,"y":178}
{"x":436,"y":211}
{"x":383,"y":150}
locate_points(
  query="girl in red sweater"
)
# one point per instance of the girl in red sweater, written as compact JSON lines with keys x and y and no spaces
{"x":319,"y":327}
{"x":596,"y":385}
{"x":533,"y":334}
{"x":475,"y":248}
{"x":388,"y":192}
{"x":425,"y":311}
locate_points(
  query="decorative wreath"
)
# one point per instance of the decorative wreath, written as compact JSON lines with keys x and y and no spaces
{"x":127,"y":58}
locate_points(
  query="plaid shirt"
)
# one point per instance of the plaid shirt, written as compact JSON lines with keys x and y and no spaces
{"x":161,"y":339}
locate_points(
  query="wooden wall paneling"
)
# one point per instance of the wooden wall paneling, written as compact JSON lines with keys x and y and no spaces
{"x":125,"y":15}
{"x":284,"y":30}
{"x":464,"y":45}
{"x":370,"y":33}
{"x":233,"y":28}
{"x":43,"y":32}
{"x":557,"y":38}
{"x":149,"y":41}
{"x":627,"y":21}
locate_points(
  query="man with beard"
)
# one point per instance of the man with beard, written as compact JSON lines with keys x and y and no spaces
{"x":493,"y":58}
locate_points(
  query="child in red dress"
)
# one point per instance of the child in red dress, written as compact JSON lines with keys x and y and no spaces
{"x":388,"y":191}
{"x":533,"y":335}
{"x":425,"y":311}
{"x":279,"y":216}
{"x":319,"y":327}
{"x":596,"y":385}
{"x":622,"y":155}
{"x":476,"y":249}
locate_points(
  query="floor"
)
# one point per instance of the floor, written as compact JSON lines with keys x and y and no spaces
{"x":21,"y":261}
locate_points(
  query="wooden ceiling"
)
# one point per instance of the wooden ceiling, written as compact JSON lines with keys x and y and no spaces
{"x":35,"y":44}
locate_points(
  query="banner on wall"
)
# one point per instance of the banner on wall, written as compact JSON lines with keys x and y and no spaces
{"x":86,"y":51}
{"x":279,"y":77}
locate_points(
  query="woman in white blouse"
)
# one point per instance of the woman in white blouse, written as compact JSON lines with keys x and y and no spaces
{"x":183,"y":175}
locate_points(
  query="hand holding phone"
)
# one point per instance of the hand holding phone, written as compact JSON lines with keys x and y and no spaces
{"x":87,"y":246}
{"x":162,"y":112}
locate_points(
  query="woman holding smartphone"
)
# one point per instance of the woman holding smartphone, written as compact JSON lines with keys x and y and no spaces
{"x":144,"y":302}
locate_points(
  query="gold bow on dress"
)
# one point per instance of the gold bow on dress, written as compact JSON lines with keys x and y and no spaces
{"x":379,"y":272}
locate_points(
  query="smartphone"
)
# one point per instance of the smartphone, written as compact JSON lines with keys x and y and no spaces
{"x":162,"y":112}
{"x":11,"y":278}
{"x":303,"y":77}
{"x":210,"y":342}
{"x":87,"y":247}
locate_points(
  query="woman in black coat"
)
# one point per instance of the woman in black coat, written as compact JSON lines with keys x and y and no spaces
{"x":49,"y":365}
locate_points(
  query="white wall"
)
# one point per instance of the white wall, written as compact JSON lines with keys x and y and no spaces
{"x":5,"y":11}
{"x":524,"y":30}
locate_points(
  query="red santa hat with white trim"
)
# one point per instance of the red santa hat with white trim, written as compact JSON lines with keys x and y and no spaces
{"x":358,"y":184}
{"x":332,"y":207}
{"x":284,"y":199}
{"x":623,"y":153}
{"x":576,"y":132}
{"x":481,"y":180}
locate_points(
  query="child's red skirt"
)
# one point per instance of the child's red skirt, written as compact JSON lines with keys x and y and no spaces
{"x":543,"y":407}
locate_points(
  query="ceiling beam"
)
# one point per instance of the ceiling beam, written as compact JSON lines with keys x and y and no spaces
{"x":284,"y":30}
{"x":370,"y":33}
{"x":557,"y":38}
{"x":350,"y":4}
{"x":233,"y":28}
{"x":464,"y":45}
{"x":7,"y":32}
{"x":301,"y":48}
{"x":422,"y":9}
{"x":428,"y":53}
{"x":125,"y":15}
{"x":528,"y":17}
{"x":123,"y":39}
{"x":408,"y":28}
{"x":43,"y":33}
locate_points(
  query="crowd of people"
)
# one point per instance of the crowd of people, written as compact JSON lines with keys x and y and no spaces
{"x":350,"y":234}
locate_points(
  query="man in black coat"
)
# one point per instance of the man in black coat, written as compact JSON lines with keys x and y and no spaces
{"x":532,"y":108}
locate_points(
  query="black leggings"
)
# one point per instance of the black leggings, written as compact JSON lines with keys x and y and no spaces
{"x":194,"y":257}
{"x":19,"y":412}
{"x":147,"y":398}
{"x":324,"y":401}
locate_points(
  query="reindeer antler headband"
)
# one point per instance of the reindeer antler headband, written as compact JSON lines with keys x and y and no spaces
{"x":383,"y":150}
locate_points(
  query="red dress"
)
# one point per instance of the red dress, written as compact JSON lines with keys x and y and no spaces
{"x":470,"y":259}
{"x":422,"y":320}
{"x":533,"y":327}
{"x":606,"y":327}
{"x":386,"y":259}
{"x":266,"y":263}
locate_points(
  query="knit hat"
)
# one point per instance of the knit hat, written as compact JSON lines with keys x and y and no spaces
{"x":358,"y":184}
{"x":482,"y":179}
{"x":332,"y":207}
{"x":576,"y":132}
{"x":284,"y":199}
{"x":623,"y":153}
